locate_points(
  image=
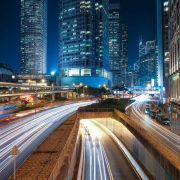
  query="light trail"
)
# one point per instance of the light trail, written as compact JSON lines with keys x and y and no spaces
{"x":171,"y":140}
{"x":99,"y":169}
{"x":24,"y":133}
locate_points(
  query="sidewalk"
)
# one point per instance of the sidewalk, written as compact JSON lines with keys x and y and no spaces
{"x":172,"y":115}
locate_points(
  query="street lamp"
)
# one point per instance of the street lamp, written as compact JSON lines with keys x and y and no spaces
{"x":148,"y":86}
{"x":84,"y":87}
{"x":99,"y":85}
{"x":80,"y":84}
{"x":29,"y":81}
{"x":43,"y":80}
{"x":52,"y":73}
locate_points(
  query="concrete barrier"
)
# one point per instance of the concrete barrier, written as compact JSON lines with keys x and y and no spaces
{"x":64,"y":167}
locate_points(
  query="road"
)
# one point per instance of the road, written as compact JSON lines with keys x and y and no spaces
{"x":103,"y":158}
{"x":170,"y":139}
{"x":29,"y":133}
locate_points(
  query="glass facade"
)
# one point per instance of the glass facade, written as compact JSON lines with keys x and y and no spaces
{"x":83,"y":38}
{"x":149,"y":66}
{"x":115,"y":44}
{"x":163,"y":45}
{"x":125,"y":53}
{"x":33,"y":36}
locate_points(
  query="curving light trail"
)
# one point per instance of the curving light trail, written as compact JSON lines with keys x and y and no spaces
{"x":171,"y":140}
{"x":98,"y":167}
{"x":24,"y":132}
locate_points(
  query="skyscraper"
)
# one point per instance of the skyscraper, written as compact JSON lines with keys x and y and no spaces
{"x":142,"y":48}
{"x":150,"y":45}
{"x":33,"y":36}
{"x":149,"y":66}
{"x":163,"y":43}
{"x":115,"y":44}
{"x":84,"y":42}
{"x":174,"y":65}
{"x":125,"y":53}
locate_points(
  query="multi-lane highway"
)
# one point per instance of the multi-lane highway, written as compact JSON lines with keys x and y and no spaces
{"x":136,"y":113}
{"x":103,"y":158}
{"x":29,"y":133}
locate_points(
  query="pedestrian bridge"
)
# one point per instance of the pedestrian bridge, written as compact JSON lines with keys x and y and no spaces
{"x":140,"y":90}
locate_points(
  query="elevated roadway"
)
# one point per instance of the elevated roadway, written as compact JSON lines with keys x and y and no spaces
{"x":29,"y":133}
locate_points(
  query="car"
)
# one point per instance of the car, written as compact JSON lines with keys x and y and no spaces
{"x":152,"y":114}
{"x":147,"y":110}
{"x":162,"y":119}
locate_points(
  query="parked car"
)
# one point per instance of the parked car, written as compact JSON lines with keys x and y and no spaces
{"x":152,"y":114}
{"x":162,"y":119}
{"x":147,"y":110}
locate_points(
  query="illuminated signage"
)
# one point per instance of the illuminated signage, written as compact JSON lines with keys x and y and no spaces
{"x":28,"y":98}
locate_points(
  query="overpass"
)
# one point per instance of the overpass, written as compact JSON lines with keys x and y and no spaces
{"x":24,"y":89}
{"x":140,"y":90}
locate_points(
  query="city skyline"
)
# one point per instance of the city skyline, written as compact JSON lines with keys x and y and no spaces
{"x":52,"y":59}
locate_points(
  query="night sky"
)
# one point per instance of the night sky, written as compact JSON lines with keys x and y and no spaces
{"x":140,"y":15}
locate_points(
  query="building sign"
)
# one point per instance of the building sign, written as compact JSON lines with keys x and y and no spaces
{"x":28,"y":98}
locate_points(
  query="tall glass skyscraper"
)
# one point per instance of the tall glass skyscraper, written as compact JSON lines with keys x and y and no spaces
{"x":125,"y":53}
{"x":84,"y":42}
{"x":33,"y":36}
{"x":115,"y":44}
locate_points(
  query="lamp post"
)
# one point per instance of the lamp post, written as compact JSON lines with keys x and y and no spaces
{"x":29,"y":81}
{"x":77,"y":86}
{"x":83,"y":88}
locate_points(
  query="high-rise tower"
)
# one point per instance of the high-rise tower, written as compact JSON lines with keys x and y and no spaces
{"x":174,"y":63}
{"x":115,"y":44}
{"x":84,"y":42}
{"x":124,"y":28}
{"x":33,"y":36}
{"x":163,"y":44}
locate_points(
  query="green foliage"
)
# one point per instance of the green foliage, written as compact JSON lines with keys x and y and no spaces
{"x":92,"y":91}
{"x":119,"y":104}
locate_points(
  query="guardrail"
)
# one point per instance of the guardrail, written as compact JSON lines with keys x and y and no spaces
{"x":59,"y":161}
{"x":80,"y":175}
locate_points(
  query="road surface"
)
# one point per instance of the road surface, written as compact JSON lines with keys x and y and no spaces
{"x":170,"y":139}
{"x":103,"y":158}
{"x":29,"y":133}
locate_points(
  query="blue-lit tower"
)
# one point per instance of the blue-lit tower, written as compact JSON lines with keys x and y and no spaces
{"x":33,"y":36}
{"x":84,"y":42}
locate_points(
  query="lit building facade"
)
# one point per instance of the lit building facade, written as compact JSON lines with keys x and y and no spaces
{"x":163,"y":45}
{"x":124,"y":28}
{"x":115,"y":44}
{"x":174,"y":63}
{"x":84,"y":42}
{"x":149,"y":68}
{"x":150,"y":45}
{"x":33,"y":36}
